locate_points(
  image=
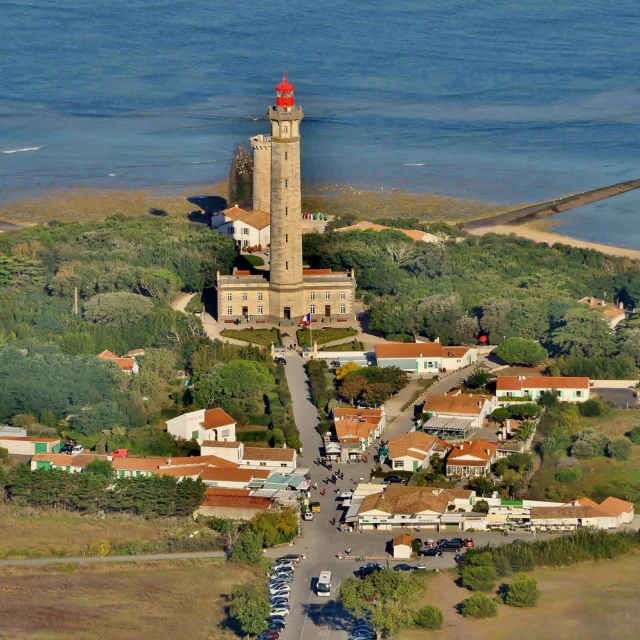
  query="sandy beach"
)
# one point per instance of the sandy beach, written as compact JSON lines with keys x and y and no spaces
{"x":525,"y":231}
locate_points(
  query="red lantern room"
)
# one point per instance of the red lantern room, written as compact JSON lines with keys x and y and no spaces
{"x":284,"y":93}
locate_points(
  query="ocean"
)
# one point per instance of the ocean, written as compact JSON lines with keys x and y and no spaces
{"x":501,"y":101}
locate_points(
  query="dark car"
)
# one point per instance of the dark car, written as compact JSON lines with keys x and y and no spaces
{"x":280,"y":360}
{"x":66,"y":448}
{"x":290,"y":557}
{"x":436,"y":551}
{"x":403,"y":567}
{"x":369,"y":568}
{"x":459,"y":558}
{"x":451,"y":545}
{"x":393,"y":480}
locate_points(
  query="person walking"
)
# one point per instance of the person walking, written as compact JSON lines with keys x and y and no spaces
{"x":315,"y":485}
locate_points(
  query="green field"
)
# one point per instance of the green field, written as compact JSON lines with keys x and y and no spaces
{"x":35,"y":533}
{"x":254,"y":261}
{"x":263,"y":337}
{"x":178,"y":599}
{"x":590,"y":602}
{"x":322,"y":336}
{"x":356,"y":345}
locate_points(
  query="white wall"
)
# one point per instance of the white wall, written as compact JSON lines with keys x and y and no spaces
{"x":244,"y":234}
{"x":228,"y":453}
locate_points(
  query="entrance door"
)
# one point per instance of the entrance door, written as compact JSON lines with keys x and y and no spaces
{"x":327,"y":310}
{"x":287,"y":313}
{"x":245,"y":311}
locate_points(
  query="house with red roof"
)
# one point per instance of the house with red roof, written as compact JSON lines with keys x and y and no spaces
{"x":128,"y":364}
{"x":424,"y":357}
{"x":611,"y":513}
{"x":529,"y":388}
{"x":471,"y":459}
{"x":213,"y":425}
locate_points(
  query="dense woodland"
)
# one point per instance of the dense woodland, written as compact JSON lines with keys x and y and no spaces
{"x":501,"y":286}
{"x":126,"y":271}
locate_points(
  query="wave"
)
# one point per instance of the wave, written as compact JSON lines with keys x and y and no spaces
{"x":201,"y":161}
{"x":413,"y":164}
{"x":21,"y":150}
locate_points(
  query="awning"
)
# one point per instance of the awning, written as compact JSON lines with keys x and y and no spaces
{"x":352,"y":513}
{"x":332,"y":447}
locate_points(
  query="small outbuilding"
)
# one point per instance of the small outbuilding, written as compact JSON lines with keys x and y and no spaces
{"x":402,"y":546}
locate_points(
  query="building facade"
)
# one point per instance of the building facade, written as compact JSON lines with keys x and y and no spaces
{"x":424,"y":357}
{"x":290,"y":291}
{"x":529,"y":388}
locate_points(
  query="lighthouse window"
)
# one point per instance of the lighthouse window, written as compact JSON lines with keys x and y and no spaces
{"x":286,"y":266}
{"x":286,"y":237}
{"x":286,"y":155}
{"x":286,"y":183}
{"x":286,"y":211}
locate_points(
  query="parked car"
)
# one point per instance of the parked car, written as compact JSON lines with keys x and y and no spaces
{"x":459,"y":558}
{"x":78,"y":448}
{"x":436,"y":551}
{"x":346,"y":495}
{"x":393,"y":480}
{"x":468,"y":542}
{"x":454,"y":544}
{"x":403,"y":567}
{"x":368,"y":568}
{"x":120,"y":453}
{"x":315,"y":507}
{"x":307,"y":516}
{"x":283,"y":602}
{"x":270,"y":635}
{"x":290,"y":557}
{"x":277,"y":624}
{"x":280,"y":611}
{"x":280,"y":360}
{"x":283,"y":566}
{"x":279,"y":591}
{"x":66,"y":448}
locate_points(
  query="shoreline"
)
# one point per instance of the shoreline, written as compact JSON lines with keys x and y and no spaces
{"x":550,"y":238}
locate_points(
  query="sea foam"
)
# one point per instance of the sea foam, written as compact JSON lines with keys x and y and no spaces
{"x":20,"y":150}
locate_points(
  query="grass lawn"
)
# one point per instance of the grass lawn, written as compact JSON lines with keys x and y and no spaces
{"x":590,"y":601}
{"x":255,"y":261}
{"x":178,"y":599}
{"x":195,"y":303}
{"x":616,"y":423}
{"x":254,"y":336}
{"x":356,"y":345}
{"x":33,"y":533}
{"x":322,"y":336}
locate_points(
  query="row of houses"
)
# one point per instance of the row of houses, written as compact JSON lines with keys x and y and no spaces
{"x":376,"y":507}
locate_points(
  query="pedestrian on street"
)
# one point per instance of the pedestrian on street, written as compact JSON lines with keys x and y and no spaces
{"x":315,"y":485}
{"x":324,"y":491}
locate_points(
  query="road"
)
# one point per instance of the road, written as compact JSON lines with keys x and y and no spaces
{"x":97,"y":560}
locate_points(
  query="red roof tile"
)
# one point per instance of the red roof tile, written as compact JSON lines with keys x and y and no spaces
{"x":518,"y":383}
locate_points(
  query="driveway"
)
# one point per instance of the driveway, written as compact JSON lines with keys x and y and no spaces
{"x":622,"y":398}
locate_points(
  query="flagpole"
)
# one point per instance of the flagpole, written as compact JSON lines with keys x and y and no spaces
{"x":310,"y":330}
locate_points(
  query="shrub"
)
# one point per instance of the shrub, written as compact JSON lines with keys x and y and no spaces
{"x":589,"y":443}
{"x":524,"y":410}
{"x":479,"y":573}
{"x":248,"y":548}
{"x":479,"y":606}
{"x":634,"y":435}
{"x":594,"y":407}
{"x":567,"y":476}
{"x":521,"y":351}
{"x":4,"y":453}
{"x":482,"y":506}
{"x":619,"y":448}
{"x":250,"y":609}
{"x":99,"y":548}
{"x":429,"y":617}
{"x":522,"y":591}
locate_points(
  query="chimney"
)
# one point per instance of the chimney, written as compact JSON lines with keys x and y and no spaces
{"x":461,"y":446}
{"x":479,"y":404}
{"x":488,"y":452}
{"x":437,"y":340}
{"x":169,"y":462}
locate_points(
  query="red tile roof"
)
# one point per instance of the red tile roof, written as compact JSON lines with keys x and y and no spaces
{"x":476,"y":448}
{"x":402,"y":539}
{"x":234,"y":475}
{"x":264,"y":453}
{"x":519,"y":383}
{"x":615,"y":507}
{"x":221,"y":445}
{"x":215,"y":418}
{"x":464,"y":403}
{"x":221,"y":491}
{"x":418,"y":350}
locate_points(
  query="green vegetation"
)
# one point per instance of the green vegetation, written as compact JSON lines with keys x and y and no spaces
{"x":254,"y":261}
{"x":479,"y":573}
{"x":479,"y":606}
{"x":264,"y":337}
{"x":356,"y":345}
{"x":387,"y":596}
{"x":195,"y":304}
{"x":429,"y":617}
{"x":521,"y":351}
{"x":522,"y":591}
{"x":324,"y":335}
{"x":372,"y":385}
{"x":250,"y":609}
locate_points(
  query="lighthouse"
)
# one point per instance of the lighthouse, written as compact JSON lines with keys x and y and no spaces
{"x":286,"y":201}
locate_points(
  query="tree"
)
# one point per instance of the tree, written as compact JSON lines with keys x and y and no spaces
{"x":522,"y":591}
{"x":501,"y":414}
{"x":521,"y":351}
{"x":478,"y":379}
{"x":101,"y":467}
{"x":524,"y":431}
{"x":385,"y":595}
{"x":479,"y":572}
{"x":248,"y":547}
{"x":482,"y":506}
{"x":352,"y":387}
{"x":479,"y":606}
{"x":278,"y":438}
{"x":584,"y":333}
{"x":118,"y":309}
{"x":161,"y":362}
{"x":589,"y":443}
{"x":429,"y":617}
{"x":250,"y":608}
{"x":619,"y":448}
{"x":482,"y":486}
{"x":343,"y":371}
{"x":631,"y":345}
{"x":376,"y":394}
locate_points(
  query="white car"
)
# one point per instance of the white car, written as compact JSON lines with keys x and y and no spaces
{"x":77,"y":449}
{"x":279,"y":591}
{"x":345,"y":495}
{"x":280,"y":611}
{"x":283,"y":566}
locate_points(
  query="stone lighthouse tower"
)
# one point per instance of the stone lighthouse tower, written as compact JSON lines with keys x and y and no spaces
{"x":261,"y":146}
{"x":286,"y":281}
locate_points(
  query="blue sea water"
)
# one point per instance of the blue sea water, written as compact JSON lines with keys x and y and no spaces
{"x":505,"y":101}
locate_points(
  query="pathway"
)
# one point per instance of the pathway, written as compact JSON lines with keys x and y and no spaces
{"x":106,"y":559}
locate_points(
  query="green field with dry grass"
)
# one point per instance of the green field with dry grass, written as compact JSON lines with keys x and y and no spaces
{"x":151,"y":600}
{"x":31,"y":533}
{"x":594,"y":601}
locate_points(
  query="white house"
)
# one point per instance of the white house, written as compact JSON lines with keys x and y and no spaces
{"x":460,"y":405}
{"x":412,"y":451}
{"x":529,"y":388}
{"x":611,"y":513}
{"x":247,"y":228}
{"x":470,"y":459}
{"x":203,"y":425}
{"x":424,"y":357}
{"x":402,"y":546}
{"x":29,"y":446}
{"x":265,"y":458}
